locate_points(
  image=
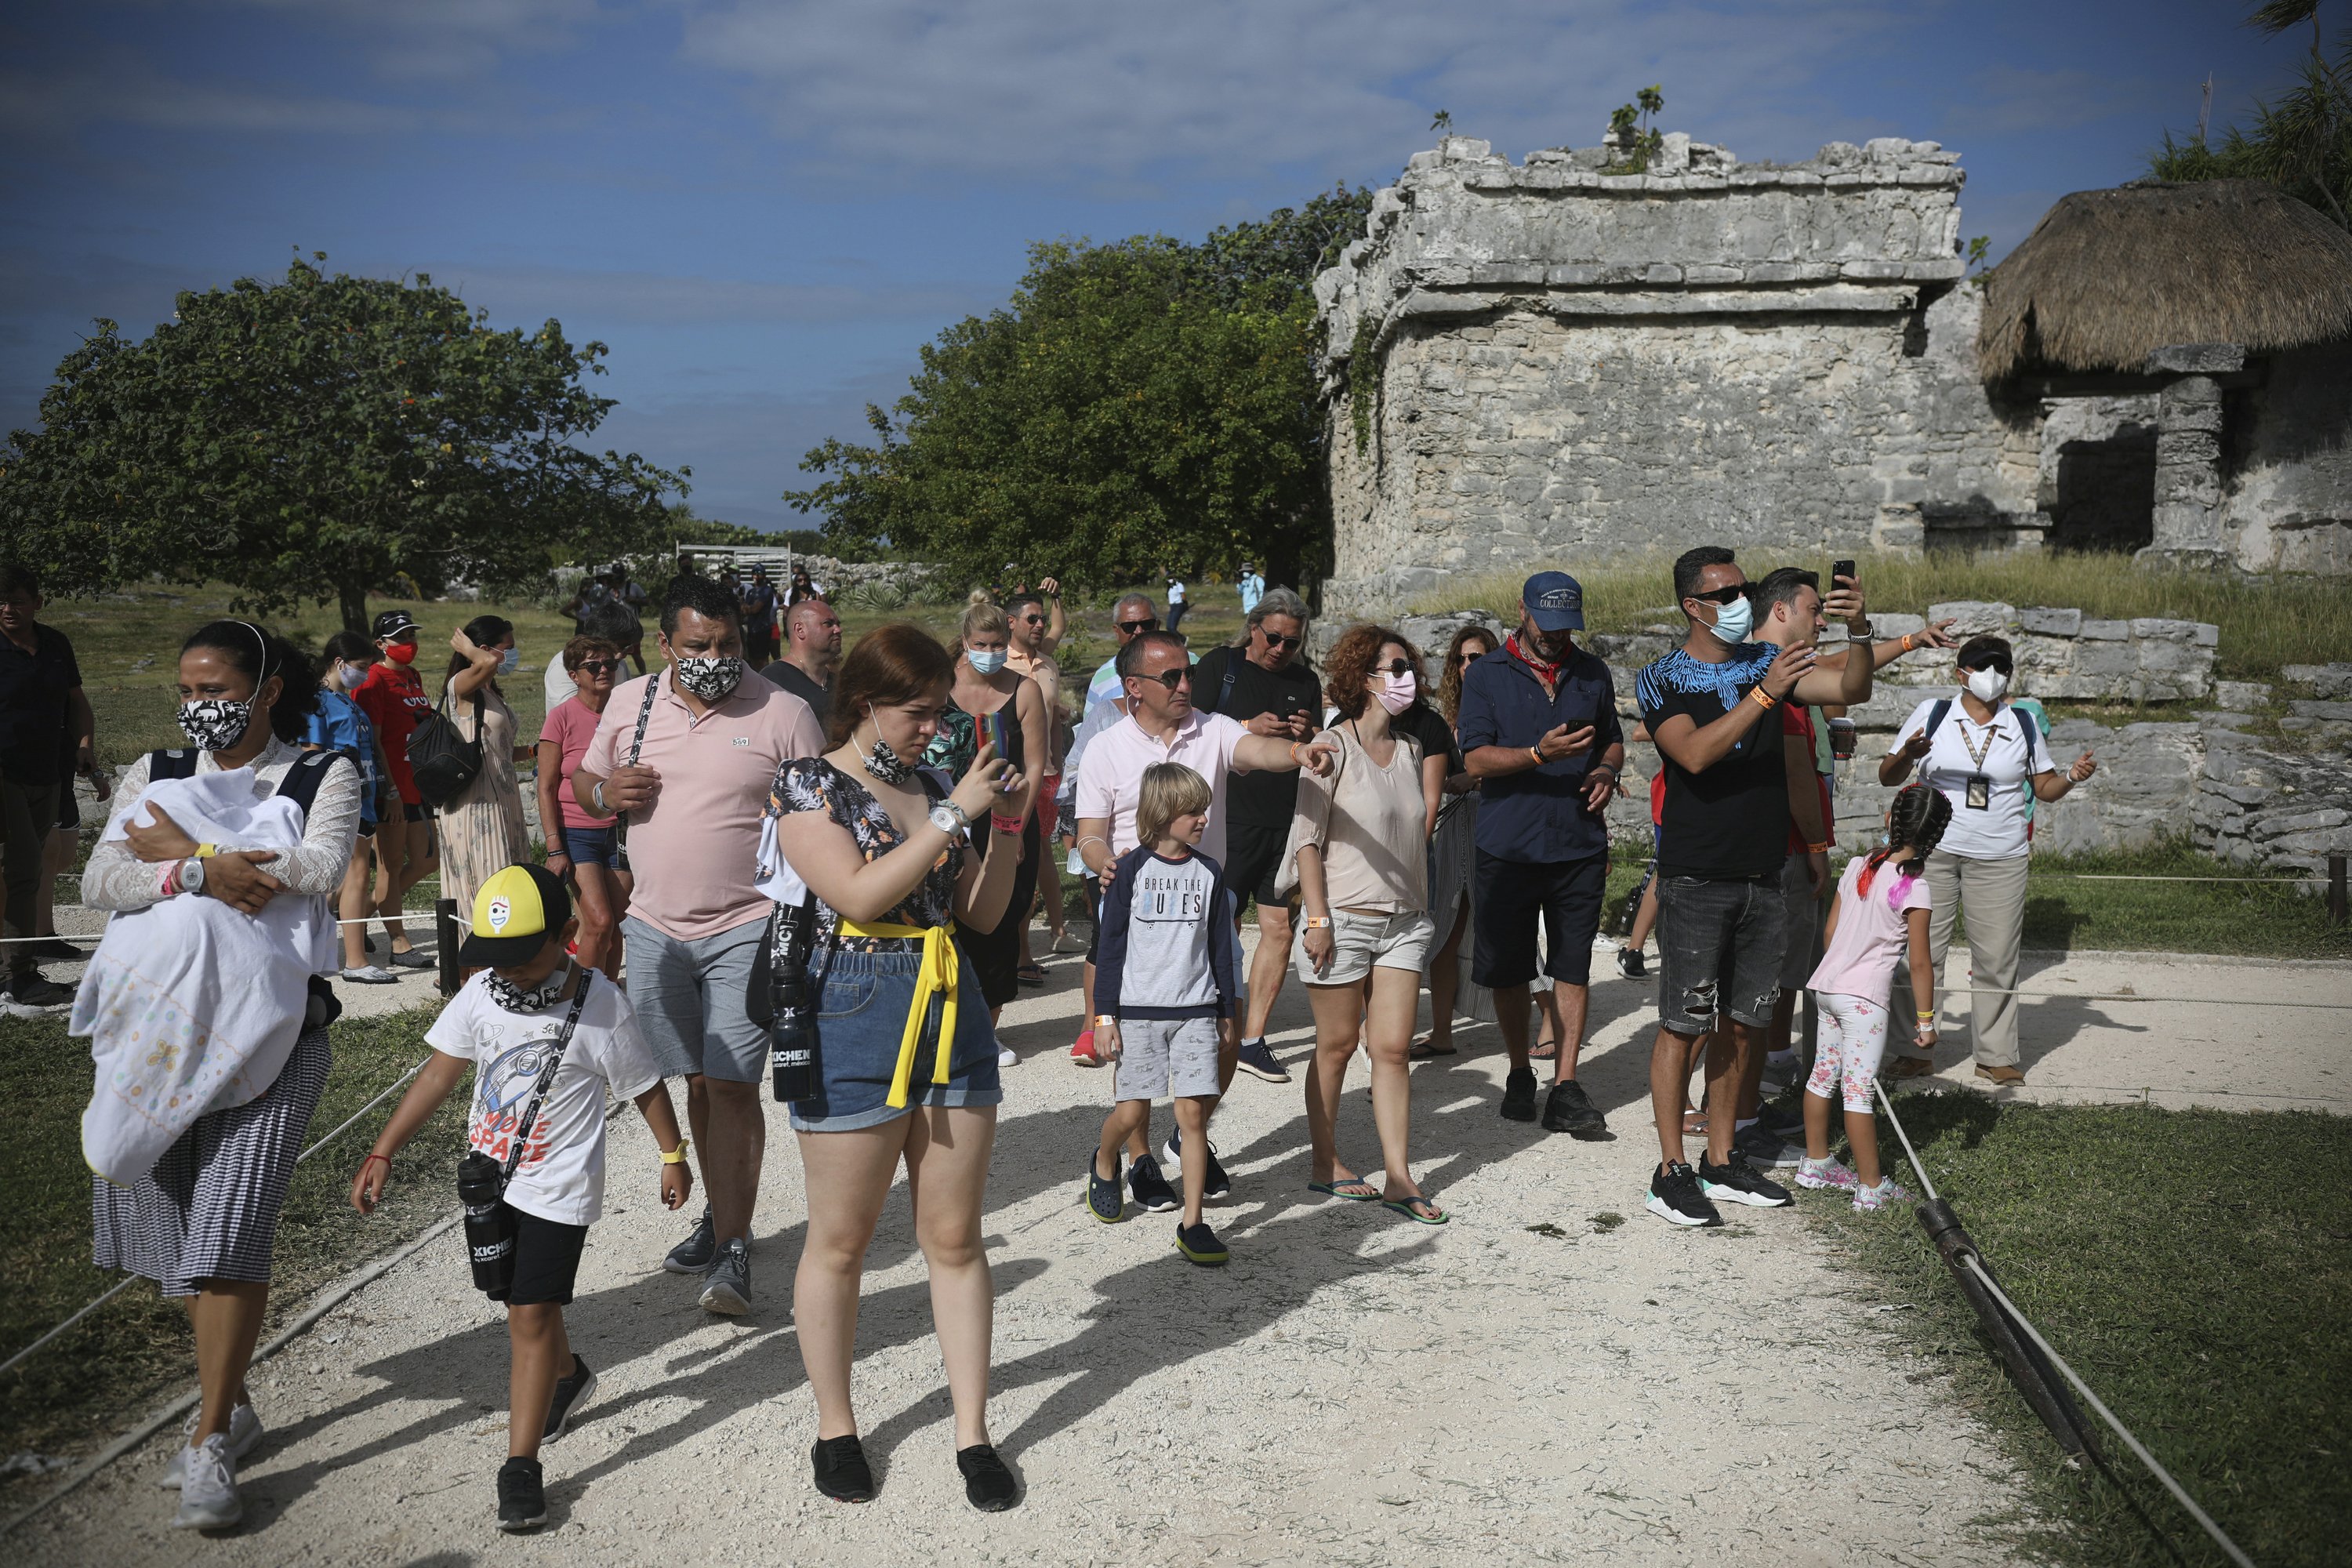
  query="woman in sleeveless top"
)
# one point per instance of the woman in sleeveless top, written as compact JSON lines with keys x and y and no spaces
{"x":481,"y":829}
{"x":203,"y":1222}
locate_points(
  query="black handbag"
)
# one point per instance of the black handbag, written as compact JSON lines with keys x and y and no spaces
{"x":441,"y":760}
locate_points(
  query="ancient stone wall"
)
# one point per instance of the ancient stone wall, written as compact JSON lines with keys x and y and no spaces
{"x":2289,"y":502}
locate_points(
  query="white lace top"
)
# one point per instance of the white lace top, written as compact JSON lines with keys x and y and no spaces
{"x":117,"y":879}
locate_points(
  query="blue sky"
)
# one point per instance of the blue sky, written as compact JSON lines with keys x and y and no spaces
{"x":766,"y":206}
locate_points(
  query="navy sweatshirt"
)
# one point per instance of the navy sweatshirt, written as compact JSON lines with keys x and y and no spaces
{"x":1162,"y":954}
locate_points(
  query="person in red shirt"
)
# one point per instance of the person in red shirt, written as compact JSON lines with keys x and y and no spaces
{"x":392,"y":697}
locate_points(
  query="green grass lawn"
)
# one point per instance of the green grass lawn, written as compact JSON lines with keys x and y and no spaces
{"x":125,"y":1357}
{"x":2191,"y":1266}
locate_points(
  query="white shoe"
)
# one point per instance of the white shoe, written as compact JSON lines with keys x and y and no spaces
{"x":1005,"y":1056}
{"x":244,"y":1432}
{"x":1069,"y":942}
{"x":208,"y":1498}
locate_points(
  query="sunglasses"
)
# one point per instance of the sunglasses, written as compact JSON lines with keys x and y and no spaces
{"x":1394,"y":667}
{"x":1723,"y":596}
{"x":1171,"y":679}
{"x":2000,"y":661}
{"x":1034,"y":620}
{"x":1469,"y":658}
{"x":1151,"y":624}
{"x":1274,"y":642}
{"x":598,"y":666}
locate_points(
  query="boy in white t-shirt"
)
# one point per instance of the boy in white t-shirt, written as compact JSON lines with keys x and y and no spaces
{"x":506,"y":1022}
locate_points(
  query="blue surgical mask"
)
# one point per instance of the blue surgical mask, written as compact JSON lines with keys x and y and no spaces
{"x":988,"y":661}
{"x":510,"y":662}
{"x":1734,"y":620}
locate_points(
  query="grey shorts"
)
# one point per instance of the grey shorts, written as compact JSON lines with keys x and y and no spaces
{"x":689,"y":996}
{"x":1720,"y":944}
{"x":1176,"y":1057}
{"x":1360,"y":943}
{"x":1800,"y":914}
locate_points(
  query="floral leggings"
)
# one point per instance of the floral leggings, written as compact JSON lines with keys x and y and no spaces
{"x":1852,"y":1038}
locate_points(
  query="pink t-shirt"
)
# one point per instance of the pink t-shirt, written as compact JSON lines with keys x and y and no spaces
{"x":694,"y":850}
{"x":571,"y":724}
{"x":1110,"y":773}
{"x":1860,"y":961}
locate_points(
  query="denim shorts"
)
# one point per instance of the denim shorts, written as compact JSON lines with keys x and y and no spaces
{"x":1720,"y":943}
{"x":591,"y":845}
{"x":862,"y":1000}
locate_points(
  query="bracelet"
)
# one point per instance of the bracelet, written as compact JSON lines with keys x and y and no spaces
{"x":1294,"y":754}
{"x":167,"y":879}
{"x":1105,"y":1021}
{"x":1601,"y":768}
{"x":1762,"y":698}
{"x":1535,"y":755}
{"x":1821,"y":848}
{"x":1927,"y":1017}
{"x":1004,"y":824}
{"x":596,"y":793}
{"x":676,"y":1156}
{"x":1318,"y":923}
{"x":1907,"y":642}
{"x":386,"y":1158}
{"x":206,"y":851}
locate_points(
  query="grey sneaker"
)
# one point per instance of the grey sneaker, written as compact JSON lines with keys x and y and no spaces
{"x":1766,"y":1149}
{"x":693,"y":1255}
{"x":728,"y":1287}
{"x":370,"y":974}
{"x":208,"y":1498}
{"x":244,"y":1432}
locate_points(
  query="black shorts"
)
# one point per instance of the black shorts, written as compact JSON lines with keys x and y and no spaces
{"x":1507,"y":896}
{"x":547,"y":1261}
{"x":367,"y":830}
{"x":1093,"y":886}
{"x":1253,"y":857}
{"x":412,"y":811}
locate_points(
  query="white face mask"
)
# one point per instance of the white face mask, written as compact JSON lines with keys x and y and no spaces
{"x":988,"y":661}
{"x":351,"y":677}
{"x":1988,"y":684}
{"x":1734,"y":620}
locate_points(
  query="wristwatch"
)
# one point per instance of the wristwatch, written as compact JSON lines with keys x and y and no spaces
{"x":949,"y":818}
{"x":192,"y":875}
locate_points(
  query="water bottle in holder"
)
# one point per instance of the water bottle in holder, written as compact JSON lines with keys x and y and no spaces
{"x":792,"y":1029}
{"x":489,"y":1225}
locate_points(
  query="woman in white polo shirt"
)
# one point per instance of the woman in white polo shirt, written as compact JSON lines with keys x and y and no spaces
{"x":1984,"y":757}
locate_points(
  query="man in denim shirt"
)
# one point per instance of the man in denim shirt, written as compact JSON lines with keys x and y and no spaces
{"x":1539,"y":728}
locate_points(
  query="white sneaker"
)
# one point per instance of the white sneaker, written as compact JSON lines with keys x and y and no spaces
{"x":208,"y":1498}
{"x":1005,"y":1056}
{"x":1821,"y":1174}
{"x":244,"y":1432}
{"x":370,"y":974}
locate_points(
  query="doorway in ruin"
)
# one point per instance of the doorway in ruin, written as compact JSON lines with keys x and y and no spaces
{"x":2098,"y":473}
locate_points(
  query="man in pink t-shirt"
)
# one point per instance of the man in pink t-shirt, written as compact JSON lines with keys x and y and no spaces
{"x":694,"y":790}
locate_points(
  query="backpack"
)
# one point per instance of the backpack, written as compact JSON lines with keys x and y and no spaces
{"x":2026,"y":726}
{"x":440,"y":759}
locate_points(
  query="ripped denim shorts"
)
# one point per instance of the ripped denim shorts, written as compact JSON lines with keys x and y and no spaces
{"x":1721,"y":943}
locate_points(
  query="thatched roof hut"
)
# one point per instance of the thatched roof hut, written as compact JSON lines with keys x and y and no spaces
{"x":2108,"y":276}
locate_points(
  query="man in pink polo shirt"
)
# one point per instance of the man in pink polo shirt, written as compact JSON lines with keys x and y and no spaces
{"x":686,"y":754}
{"x":1162,"y":726}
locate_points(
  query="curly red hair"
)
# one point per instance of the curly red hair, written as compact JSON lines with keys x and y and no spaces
{"x":1351,"y":659}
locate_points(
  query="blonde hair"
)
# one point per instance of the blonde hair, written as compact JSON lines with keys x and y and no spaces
{"x":982,"y":617}
{"x":1171,"y":790}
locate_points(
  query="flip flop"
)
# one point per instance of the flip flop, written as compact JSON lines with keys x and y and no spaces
{"x":1332,"y":1189}
{"x":1543,"y":1051}
{"x":1030,"y":975}
{"x":1421,"y":1051}
{"x":1412,"y":1208}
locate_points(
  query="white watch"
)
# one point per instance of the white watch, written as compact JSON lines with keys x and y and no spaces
{"x":192,"y":875}
{"x":949,"y":819}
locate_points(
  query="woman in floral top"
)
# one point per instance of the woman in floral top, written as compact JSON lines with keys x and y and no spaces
{"x":906,"y":1053}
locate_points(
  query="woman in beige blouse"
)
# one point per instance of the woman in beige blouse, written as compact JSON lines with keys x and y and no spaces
{"x":1357,"y":842}
{"x":482,"y":829}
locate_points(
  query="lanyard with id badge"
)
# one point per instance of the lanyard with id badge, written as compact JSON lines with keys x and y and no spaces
{"x":1979,"y":783}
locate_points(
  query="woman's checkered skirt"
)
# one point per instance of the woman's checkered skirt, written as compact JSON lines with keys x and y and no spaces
{"x":209,"y":1209}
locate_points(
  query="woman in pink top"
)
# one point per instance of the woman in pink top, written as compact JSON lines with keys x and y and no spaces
{"x":1882,"y":903}
{"x":580,"y":845}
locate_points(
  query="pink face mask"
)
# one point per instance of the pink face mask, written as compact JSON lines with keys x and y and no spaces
{"x":1397,"y":693}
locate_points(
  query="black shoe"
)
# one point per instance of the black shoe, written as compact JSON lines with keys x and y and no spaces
{"x":573,"y":1393}
{"x":1217,"y":1185}
{"x":1631,"y":964}
{"x":1519,"y":1095}
{"x":842,"y":1473}
{"x":694,"y":1255}
{"x":1567,"y":1109}
{"x":52,"y":949}
{"x":1152,"y":1191}
{"x":1200,"y":1245}
{"x":1788,"y":1126}
{"x":412,"y":958}
{"x":1675,"y":1197}
{"x":522,"y":1496}
{"x":1104,"y":1194}
{"x":1763,"y":1148}
{"x":1256,"y":1058}
{"x":1738,"y":1182}
{"x":987,"y":1484}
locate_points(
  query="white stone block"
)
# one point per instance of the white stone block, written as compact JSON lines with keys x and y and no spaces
{"x":2048,"y":622}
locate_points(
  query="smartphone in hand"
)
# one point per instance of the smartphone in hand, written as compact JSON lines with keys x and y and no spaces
{"x":1841,"y":569}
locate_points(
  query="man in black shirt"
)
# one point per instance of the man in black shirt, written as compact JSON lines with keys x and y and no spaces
{"x":40,"y":700}
{"x":1713,"y":706}
{"x":812,"y":652}
{"x":1265,"y":683}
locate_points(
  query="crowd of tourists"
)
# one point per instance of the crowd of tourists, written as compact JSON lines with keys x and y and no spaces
{"x":773,"y":868}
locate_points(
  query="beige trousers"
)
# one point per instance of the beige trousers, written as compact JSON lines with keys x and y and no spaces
{"x":1992,"y":893}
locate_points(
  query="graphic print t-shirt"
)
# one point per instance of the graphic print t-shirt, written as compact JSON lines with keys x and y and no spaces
{"x":394,"y":701}
{"x":1732,"y":820}
{"x":562,"y":1175}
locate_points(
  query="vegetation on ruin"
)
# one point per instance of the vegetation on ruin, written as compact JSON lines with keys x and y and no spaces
{"x":1364,"y":371}
{"x":310,"y":440}
{"x":1634,"y":132}
{"x":2300,"y":140}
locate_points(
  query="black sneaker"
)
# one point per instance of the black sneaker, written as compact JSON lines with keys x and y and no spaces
{"x":1567,"y":1109}
{"x":728,"y":1287}
{"x":693,"y":1255}
{"x":1675,"y":1197}
{"x":1217,"y":1185}
{"x":1200,"y":1245}
{"x":1519,"y":1095}
{"x":841,"y":1471}
{"x":1152,"y":1193}
{"x":412,"y":958}
{"x":1631,"y":964}
{"x":1763,"y":1148}
{"x":1788,"y":1125}
{"x":1738,"y":1182}
{"x":1257,"y":1059}
{"x":1104,"y":1200}
{"x":52,"y":949}
{"x":522,"y":1496}
{"x":988,"y":1486}
{"x":38,"y":997}
{"x":573,"y":1393}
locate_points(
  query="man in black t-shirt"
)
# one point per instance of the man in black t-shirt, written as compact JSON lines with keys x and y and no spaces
{"x":811,"y":653}
{"x":1267,"y":684}
{"x":1713,"y":706}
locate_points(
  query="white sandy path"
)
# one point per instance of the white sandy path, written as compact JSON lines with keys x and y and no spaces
{"x":1353,"y":1389}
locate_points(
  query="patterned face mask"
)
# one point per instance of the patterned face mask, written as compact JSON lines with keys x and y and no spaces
{"x":709,"y":677}
{"x":214,"y":723}
{"x":884,"y":763}
{"x":515,"y":999}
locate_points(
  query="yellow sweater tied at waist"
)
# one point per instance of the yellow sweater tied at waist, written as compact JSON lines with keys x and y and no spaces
{"x":941,"y":975}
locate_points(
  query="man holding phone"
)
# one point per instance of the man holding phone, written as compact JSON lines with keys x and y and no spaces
{"x":1539,"y":728}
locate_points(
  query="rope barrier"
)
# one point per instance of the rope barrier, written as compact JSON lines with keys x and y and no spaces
{"x":1976,"y":1267}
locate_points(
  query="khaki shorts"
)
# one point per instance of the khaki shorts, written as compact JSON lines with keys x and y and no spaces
{"x":1361,"y":944}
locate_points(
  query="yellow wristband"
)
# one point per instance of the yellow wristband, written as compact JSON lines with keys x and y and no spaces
{"x":206,"y":851}
{"x":676,"y":1156}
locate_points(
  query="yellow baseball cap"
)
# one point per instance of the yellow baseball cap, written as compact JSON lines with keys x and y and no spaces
{"x":515,"y":913}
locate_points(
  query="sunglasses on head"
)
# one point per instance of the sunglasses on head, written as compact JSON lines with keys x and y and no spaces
{"x":598,"y":666}
{"x":1149,"y":624}
{"x":1394,"y":667}
{"x":2000,"y":661}
{"x":1723,"y":596}
{"x":1274,"y":642}
{"x":1171,"y":679}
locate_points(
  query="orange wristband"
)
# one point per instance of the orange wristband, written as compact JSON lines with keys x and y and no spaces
{"x":1763,"y":700}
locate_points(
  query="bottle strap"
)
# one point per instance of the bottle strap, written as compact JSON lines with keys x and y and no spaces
{"x":546,"y":1080}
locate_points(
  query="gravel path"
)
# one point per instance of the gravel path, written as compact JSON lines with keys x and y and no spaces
{"x":1555,"y":1376}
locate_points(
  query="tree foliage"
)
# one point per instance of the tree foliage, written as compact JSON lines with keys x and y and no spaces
{"x":1136,"y":402}
{"x":315,"y":438}
{"x":2301,"y":141}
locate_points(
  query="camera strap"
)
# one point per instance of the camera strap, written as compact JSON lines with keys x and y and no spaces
{"x":637,"y":744}
{"x":546,"y":1080}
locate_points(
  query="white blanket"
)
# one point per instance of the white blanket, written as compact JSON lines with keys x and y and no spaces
{"x":190,"y":1005}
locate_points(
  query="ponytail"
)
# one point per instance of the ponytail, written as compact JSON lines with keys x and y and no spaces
{"x":1914,"y":825}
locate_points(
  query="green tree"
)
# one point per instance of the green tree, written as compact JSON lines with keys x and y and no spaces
{"x":1135,"y":403}
{"x":2301,"y":141}
{"x":309,"y":438}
